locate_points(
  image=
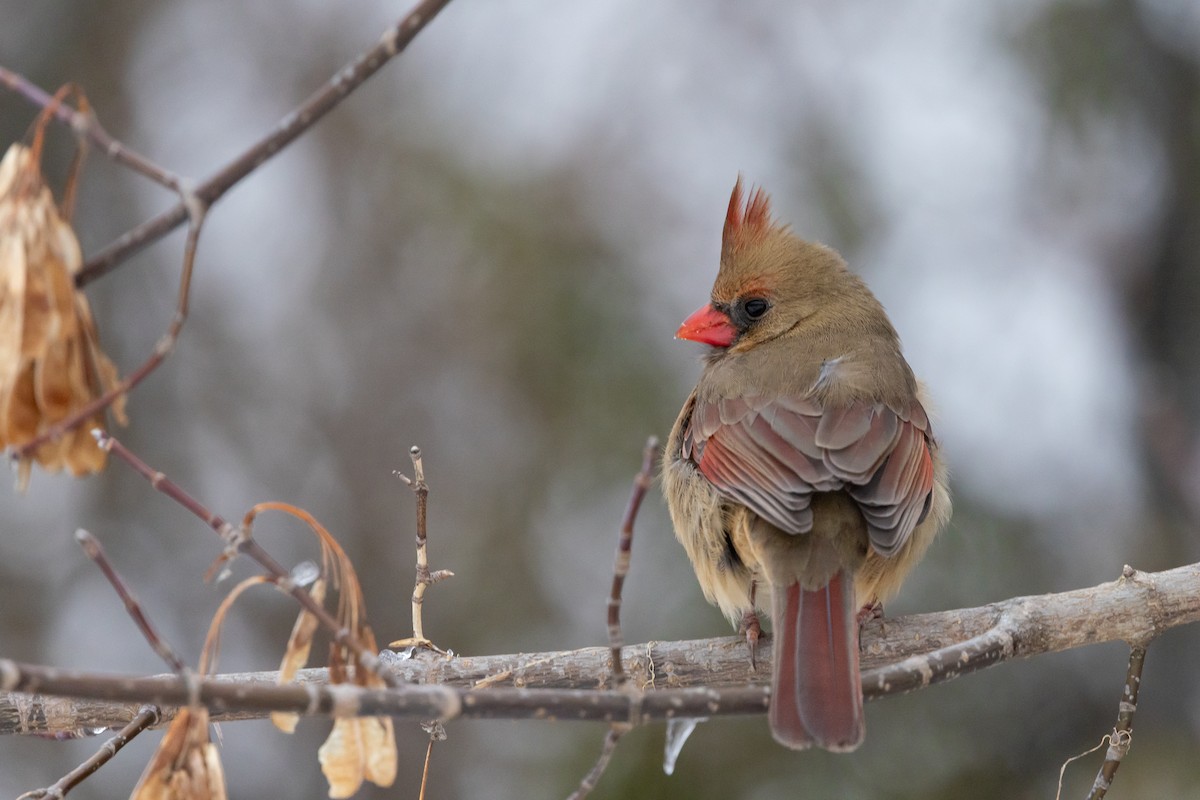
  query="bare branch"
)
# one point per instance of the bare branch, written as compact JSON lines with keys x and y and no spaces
{"x":85,"y":124}
{"x":193,"y":204}
{"x":641,"y":483}
{"x":1122,"y":736}
{"x":1135,"y":608}
{"x":91,"y":546}
{"x":146,"y":717}
{"x":294,"y":123}
{"x":424,"y":577}
{"x":615,"y":732}
{"x":442,"y":703}
{"x":239,"y":541}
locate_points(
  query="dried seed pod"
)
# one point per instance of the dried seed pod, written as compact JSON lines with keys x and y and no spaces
{"x":186,"y":766}
{"x":358,"y":748}
{"x":296,"y":656}
{"x":51,"y":364}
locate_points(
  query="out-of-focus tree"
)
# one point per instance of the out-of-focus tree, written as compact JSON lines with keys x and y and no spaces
{"x":485,"y":252}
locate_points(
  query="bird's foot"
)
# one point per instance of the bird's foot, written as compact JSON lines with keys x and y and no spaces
{"x":752,"y":630}
{"x":870,"y":612}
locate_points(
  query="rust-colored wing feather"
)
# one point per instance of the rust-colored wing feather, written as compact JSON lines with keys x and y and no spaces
{"x":772,"y":455}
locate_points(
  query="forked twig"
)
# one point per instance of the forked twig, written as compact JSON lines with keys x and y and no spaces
{"x":239,"y":541}
{"x":194,"y":203}
{"x":85,"y":123}
{"x":344,"y":82}
{"x":147,"y":715}
{"x":424,"y":578}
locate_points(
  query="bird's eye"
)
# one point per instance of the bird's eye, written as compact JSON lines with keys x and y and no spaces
{"x":756,"y":307}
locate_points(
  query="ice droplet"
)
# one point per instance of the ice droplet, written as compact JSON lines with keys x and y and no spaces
{"x":305,"y":573}
{"x":678,"y":731}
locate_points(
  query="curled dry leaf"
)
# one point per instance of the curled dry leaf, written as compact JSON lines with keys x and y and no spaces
{"x":296,"y":656}
{"x":51,"y":364}
{"x":187,"y":766}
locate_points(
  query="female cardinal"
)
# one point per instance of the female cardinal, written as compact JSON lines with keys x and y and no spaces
{"x":803,"y":460}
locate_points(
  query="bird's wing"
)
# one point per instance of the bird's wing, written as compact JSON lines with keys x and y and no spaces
{"x":772,"y":455}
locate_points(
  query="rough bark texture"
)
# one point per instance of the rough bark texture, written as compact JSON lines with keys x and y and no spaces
{"x":704,"y":677}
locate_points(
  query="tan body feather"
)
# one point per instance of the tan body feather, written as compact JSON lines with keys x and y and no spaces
{"x":712,"y":530}
{"x":803,"y":463}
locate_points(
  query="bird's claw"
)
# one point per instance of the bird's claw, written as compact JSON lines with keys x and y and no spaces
{"x":750,"y":628}
{"x":870,"y":612}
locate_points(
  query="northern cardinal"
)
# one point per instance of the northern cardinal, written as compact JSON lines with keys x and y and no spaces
{"x":803,"y":462}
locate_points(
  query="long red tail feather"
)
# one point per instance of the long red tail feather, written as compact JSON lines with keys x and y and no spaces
{"x":816,"y":688}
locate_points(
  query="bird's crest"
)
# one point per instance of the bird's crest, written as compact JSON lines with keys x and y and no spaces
{"x":747,"y":221}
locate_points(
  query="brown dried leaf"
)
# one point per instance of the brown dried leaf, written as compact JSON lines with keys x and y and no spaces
{"x":186,"y":766}
{"x":296,"y":656}
{"x":51,"y":364}
{"x":358,"y":748}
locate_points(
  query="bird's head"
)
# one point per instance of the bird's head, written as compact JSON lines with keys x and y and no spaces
{"x":770,"y":281}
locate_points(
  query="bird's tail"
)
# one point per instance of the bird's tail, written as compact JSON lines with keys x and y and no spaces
{"x":816,"y":696}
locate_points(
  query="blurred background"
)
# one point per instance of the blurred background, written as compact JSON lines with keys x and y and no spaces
{"x":486,"y":251}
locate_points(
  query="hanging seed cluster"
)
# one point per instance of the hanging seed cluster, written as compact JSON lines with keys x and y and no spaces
{"x":51,"y":364}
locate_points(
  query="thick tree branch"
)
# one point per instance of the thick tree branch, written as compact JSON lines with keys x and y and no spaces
{"x":899,"y":655}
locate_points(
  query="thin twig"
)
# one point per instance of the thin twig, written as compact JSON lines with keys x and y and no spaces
{"x":616,"y":641}
{"x":239,"y":541}
{"x":85,"y":124}
{"x":292,"y":125}
{"x":147,"y":717}
{"x":425,"y":769}
{"x":1122,"y":735}
{"x":437,"y":733}
{"x":597,"y":771}
{"x":424,"y":577}
{"x":641,"y":484}
{"x":91,"y":546}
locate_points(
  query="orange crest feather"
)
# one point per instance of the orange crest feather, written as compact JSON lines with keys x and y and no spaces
{"x":748,"y":222}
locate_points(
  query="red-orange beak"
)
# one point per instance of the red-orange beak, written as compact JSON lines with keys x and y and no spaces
{"x":708,"y":326}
